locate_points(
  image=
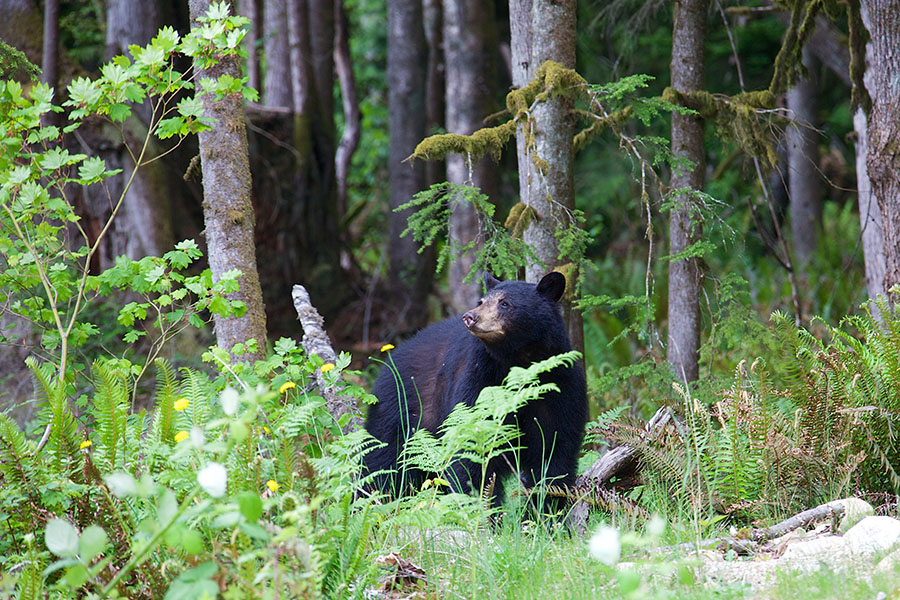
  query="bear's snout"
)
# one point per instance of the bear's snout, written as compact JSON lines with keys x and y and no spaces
{"x":469,"y":319}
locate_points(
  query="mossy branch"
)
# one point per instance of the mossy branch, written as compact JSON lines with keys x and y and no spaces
{"x":739,"y":117}
{"x":551,"y":80}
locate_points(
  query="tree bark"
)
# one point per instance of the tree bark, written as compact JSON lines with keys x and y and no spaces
{"x":869,"y":214}
{"x":435,"y":92}
{"x":470,"y":48}
{"x":803,"y":162}
{"x":410,"y":275}
{"x":49,"y":70}
{"x":544,"y":30}
{"x":882,"y":20}
{"x":685,"y":277}
{"x":352,"y":118}
{"x":277,"y":86}
{"x":227,"y":207}
{"x":251,"y":10}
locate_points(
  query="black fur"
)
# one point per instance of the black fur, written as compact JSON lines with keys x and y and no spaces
{"x":450,"y":362}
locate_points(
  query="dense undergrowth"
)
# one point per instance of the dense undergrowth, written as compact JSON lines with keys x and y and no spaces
{"x":232,"y":479}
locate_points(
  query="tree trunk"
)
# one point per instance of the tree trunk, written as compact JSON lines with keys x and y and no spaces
{"x":882,"y":20}
{"x":50,"y":72}
{"x":251,"y":10}
{"x":352,"y":118}
{"x":685,"y":277}
{"x":470,"y":47}
{"x":277,"y":86}
{"x":803,"y":165}
{"x":227,"y":207}
{"x":435,"y":92}
{"x":869,"y":214}
{"x":410,"y":274}
{"x":143,"y":226}
{"x":551,"y":194}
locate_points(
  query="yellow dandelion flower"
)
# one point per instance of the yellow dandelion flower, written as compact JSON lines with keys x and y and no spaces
{"x":181,"y":436}
{"x":182,"y":403}
{"x":85,"y":444}
{"x":272,"y":485}
{"x":266,"y":429}
{"x":286,"y":386}
{"x":387,"y":347}
{"x":327,"y":367}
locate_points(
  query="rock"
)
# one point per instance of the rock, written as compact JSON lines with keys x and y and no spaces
{"x":830,"y":551}
{"x":855,"y":510}
{"x":873,"y":535}
{"x":889,"y":564}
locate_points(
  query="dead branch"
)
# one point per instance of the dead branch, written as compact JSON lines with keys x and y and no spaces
{"x":315,"y":341}
{"x":611,"y":463}
{"x":747,"y":542}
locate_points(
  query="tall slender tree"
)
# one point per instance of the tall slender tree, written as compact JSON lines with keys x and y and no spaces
{"x":882,"y":20}
{"x":803,"y":164}
{"x":276,"y":90}
{"x":227,"y":207}
{"x":685,"y":277}
{"x":409,"y":271}
{"x":470,"y":47}
{"x":543,"y":30}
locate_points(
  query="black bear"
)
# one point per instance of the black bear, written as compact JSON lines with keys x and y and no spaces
{"x":450,"y":362}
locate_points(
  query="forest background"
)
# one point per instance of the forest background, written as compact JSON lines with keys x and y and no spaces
{"x":769,"y":192}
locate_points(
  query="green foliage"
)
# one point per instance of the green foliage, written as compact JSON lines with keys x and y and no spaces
{"x":481,"y":432}
{"x":494,"y":250}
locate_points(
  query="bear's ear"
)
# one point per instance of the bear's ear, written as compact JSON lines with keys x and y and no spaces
{"x":490,"y":282}
{"x":552,"y":286}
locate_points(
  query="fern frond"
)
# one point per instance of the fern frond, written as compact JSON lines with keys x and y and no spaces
{"x":16,"y":460}
{"x":63,"y":443}
{"x":110,"y":412}
{"x":163,"y":426}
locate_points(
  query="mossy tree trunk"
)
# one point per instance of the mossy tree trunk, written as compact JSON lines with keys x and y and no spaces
{"x":410,"y":273}
{"x":470,"y":46}
{"x":685,"y":277}
{"x":803,"y":164}
{"x":227,"y":207}
{"x":882,"y":20}
{"x":547,"y":33}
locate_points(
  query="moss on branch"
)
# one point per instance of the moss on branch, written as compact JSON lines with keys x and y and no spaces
{"x":551,"y":80}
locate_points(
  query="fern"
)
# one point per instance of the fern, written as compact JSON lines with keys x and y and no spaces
{"x":110,"y":412}
{"x":16,"y":460}
{"x":63,"y":443}
{"x":163,"y":426}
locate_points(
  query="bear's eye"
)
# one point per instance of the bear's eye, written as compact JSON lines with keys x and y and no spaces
{"x":504,"y":304}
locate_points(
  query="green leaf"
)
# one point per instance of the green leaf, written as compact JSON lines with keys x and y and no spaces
{"x":119,"y":112}
{"x":194,"y":584}
{"x":61,"y":538}
{"x":121,"y":484}
{"x":91,"y":170}
{"x":190,"y":107}
{"x":76,"y":576}
{"x":169,"y":127}
{"x":250,"y":505}
{"x":91,"y":543}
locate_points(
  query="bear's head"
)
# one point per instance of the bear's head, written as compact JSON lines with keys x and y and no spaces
{"x":515,"y":313}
